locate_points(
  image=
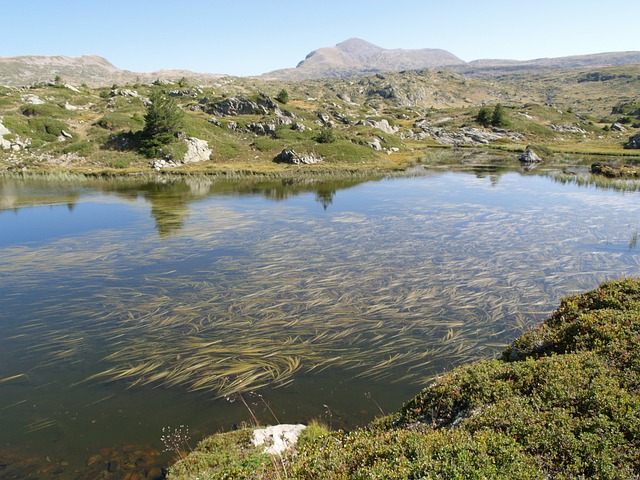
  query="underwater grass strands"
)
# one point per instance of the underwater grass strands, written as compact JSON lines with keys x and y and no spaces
{"x":244,"y":298}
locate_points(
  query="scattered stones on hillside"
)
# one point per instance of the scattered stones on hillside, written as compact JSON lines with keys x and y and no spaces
{"x":160,"y":164}
{"x":634,"y":142}
{"x":341,"y":118}
{"x":529,"y":156}
{"x":15,"y":144}
{"x":182,"y":93}
{"x":197,"y":150}
{"x":567,"y":129}
{"x":278,"y":438}
{"x":294,"y":158}
{"x":422,"y":129}
{"x":299,"y":126}
{"x":325,"y":119}
{"x":124,"y":92}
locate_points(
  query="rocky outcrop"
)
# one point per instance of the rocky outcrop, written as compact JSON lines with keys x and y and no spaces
{"x":529,"y":156}
{"x":617,"y":127}
{"x":263,"y":129}
{"x":462,"y":136}
{"x":233,"y":106}
{"x":567,"y":129}
{"x":197,"y":150}
{"x":634,"y":142}
{"x":380,"y":125}
{"x":294,"y":158}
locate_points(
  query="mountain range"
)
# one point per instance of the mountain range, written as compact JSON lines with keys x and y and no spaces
{"x":350,"y":58}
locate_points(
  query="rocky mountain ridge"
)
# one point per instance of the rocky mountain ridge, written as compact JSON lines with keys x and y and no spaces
{"x":92,"y":70}
{"x":353,"y":57}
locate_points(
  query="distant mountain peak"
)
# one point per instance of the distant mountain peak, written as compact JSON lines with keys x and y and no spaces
{"x":356,"y":56}
{"x":357,"y":45}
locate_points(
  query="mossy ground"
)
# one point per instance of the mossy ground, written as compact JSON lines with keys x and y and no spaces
{"x":561,"y":402}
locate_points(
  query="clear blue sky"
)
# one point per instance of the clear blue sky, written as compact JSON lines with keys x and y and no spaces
{"x":249,"y":37}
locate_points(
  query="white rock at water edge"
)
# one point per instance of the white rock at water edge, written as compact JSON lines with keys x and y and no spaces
{"x":277,"y":438}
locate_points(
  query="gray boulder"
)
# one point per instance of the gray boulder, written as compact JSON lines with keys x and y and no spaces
{"x":294,"y":158}
{"x":634,"y":142}
{"x":617,"y":127}
{"x":375,"y":144}
{"x":3,"y":130}
{"x":197,"y":150}
{"x":262,"y":129}
{"x":529,"y":156}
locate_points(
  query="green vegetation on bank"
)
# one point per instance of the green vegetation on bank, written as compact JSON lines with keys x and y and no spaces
{"x":561,"y":402}
{"x":379,"y":122}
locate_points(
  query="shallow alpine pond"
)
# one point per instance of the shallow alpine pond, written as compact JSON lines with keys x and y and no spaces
{"x":128,"y":306}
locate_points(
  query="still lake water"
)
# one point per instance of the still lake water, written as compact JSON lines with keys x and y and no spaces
{"x":126,"y":307}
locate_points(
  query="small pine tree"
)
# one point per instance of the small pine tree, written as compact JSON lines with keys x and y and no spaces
{"x":163,"y":121}
{"x":499,"y":117}
{"x":484,"y":116}
{"x":283,"y":96}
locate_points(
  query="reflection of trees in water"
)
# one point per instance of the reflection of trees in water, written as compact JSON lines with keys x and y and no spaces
{"x":169,"y":218}
{"x":35,"y":193}
{"x":169,"y":198}
{"x":325,"y":197}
